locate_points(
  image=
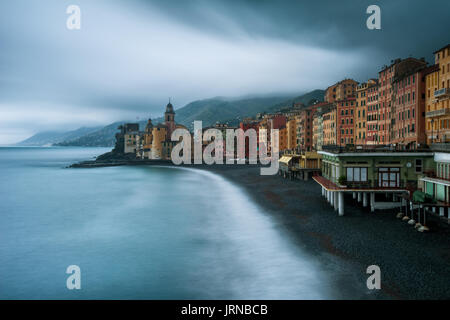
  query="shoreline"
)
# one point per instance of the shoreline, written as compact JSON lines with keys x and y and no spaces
{"x":414,"y":267}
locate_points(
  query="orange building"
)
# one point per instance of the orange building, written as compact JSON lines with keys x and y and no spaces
{"x":341,"y":90}
{"x":345,"y":124}
{"x":291,"y":132}
{"x":437,"y":90}
{"x":283,"y":139}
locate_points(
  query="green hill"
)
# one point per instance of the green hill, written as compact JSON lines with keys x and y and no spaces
{"x":209,"y":111}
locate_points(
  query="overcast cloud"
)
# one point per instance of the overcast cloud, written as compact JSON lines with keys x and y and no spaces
{"x":131,"y":55}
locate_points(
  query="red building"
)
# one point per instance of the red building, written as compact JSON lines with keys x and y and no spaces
{"x":408,"y":106}
{"x":246,"y":125}
{"x":305,"y":127}
{"x":386,"y":78}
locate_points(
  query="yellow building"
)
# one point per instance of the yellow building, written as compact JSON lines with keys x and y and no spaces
{"x":291,"y":131}
{"x":159,"y":136}
{"x":437,"y":100}
{"x":360,"y":115}
{"x":283,"y":139}
{"x":329,"y":128}
{"x":147,"y":140}
{"x":341,"y":91}
{"x":310,"y":160}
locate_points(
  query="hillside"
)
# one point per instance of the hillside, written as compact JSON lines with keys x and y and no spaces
{"x":209,"y":111}
{"x":54,"y":137}
{"x":105,"y":137}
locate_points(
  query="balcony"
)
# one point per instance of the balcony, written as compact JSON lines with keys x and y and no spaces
{"x":437,"y":113}
{"x":443,"y":147}
{"x":442,"y":92}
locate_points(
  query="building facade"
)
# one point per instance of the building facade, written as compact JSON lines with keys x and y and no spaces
{"x":345,"y":121}
{"x":291,"y":132}
{"x":341,"y":90}
{"x":408,"y":105}
{"x":361,"y":111}
{"x":438,"y":98}
{"x":372,"y":115}
{"x":329,"y":127}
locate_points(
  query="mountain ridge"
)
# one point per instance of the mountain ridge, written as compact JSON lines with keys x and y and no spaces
{"x":209,"y":111}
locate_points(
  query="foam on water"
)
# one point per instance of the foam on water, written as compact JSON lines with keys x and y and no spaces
{"x":140,"y":233}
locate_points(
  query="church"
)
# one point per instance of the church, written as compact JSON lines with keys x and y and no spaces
{"x":155,"y":142}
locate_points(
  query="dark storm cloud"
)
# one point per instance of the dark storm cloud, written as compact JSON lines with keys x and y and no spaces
{"x":130,"y":56}
{"x":408,"y":26}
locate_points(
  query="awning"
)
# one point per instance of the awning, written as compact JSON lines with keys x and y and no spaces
{"x":285,"y":159}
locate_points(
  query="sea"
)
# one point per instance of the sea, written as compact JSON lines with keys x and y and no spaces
{"x":140,"y":232}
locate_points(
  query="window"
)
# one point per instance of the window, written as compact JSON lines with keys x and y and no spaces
{"x":419,"y":165}
{"x":357,"y":174}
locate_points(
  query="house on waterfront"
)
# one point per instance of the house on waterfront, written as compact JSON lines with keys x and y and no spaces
{"x":436,"y":184}
{"x":126,"y":138}
{"x":365,"y":171}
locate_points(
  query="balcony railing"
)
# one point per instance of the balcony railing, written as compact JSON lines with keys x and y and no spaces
{"x":442,"y":92}
{"x":437,"y":113}
{"x":445,"y":147}
{"x":371,"y":148}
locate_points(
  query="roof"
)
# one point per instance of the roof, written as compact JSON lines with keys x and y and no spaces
{"x":285,"y":159}
{"x":447,"y":46}
{"x":431,"y":69}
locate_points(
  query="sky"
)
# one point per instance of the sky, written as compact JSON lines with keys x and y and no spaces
{"x":130,"y":56}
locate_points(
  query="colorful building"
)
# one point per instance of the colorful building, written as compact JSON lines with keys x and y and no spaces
{"x":372,"y":115}
{"x":283,"y":139}
{"x":291,"y":132}
{"x":380,"y":128}
{"x":329,"y":127}
{"x":318,"y":131}
{"x":407,"y":128}
{"x":341,"y":90}
{"x":318,"y":125}
{"x":345,"y":124}
{"x":438,"y":98}
{"x":365,"y":172}
{"x":436,"y":184}
{"x":361,"y":111}
{"x":248,"y":124}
